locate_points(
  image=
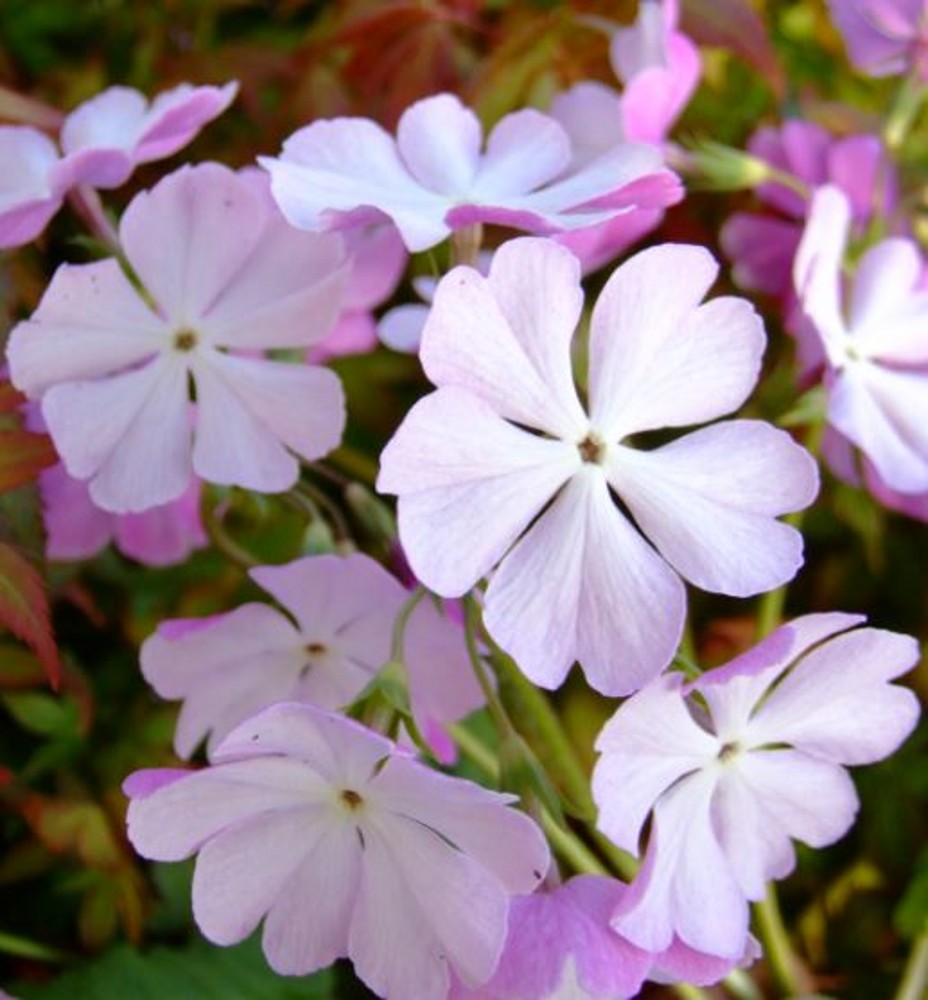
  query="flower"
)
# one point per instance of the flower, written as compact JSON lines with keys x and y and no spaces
{"x":734,"y":765}
{"x":104,"y":140}
{"x":884,"y":37}
{"x":501,"y":466}
{"x":229,"y":666}
{"x":223,"y":273}
{"x":560,"y":945}
{"x":763,"y":246}
{"x":347,"y":848}
{"x":433,"y":178}
{"x":875,"y":375}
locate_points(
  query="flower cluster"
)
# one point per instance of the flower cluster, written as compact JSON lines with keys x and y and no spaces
{"x":573,"y":465}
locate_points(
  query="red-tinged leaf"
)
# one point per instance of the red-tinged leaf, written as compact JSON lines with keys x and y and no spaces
{"x":23,"y":455}
{"x":24,"y":608}
{"x":734,"y":25}
{"x":10,"y":399}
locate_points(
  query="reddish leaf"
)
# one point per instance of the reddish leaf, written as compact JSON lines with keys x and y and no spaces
{"x":23,"y":455}
{"x":735,"y":25}
{"x":10,"y":399}
{"x":24,"y":608}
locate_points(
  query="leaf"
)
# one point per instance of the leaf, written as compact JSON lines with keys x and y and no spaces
{"x":911,"y":915}
{"x":24,"y":608}
{"x":735,"y":25}
{"x":41,"y":713}
{"x":199,"y":972}
{"x":23,"y":455}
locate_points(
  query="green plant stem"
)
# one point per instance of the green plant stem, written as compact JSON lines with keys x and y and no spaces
{"x":495,"y":707}
{"x":914,"y":982}
{"x":777,"y":947}
{"x":222,"y":540}
{"x":307,"y":491}
{"x":402,"y":620}
{"x":354,"y":464}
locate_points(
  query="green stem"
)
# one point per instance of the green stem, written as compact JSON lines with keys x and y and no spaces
{"x":777,"y":947}
{"x":222,"y":540}
{"x":903,"y":113}
{"x":914,"y":982}
{"x":497,"y":711}
{"x":307,"y":491}
{"x":354,"y":464}
{"x":402,"y":620}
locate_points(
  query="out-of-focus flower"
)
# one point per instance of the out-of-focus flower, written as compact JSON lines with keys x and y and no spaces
{"x":733,"y":766}
{"x":502,"y":465}
{"x":876,"y":357}
{"x":560,"y":945}
{"x":229,"y":666}
{"x":763,"y":246}
{"x":104,"y":140}
{"x":378,"y":260}
{"x":435,"y":178}
{"x":222,"y":273}
{"x":347,"y":848}
{"x":884,"y":37}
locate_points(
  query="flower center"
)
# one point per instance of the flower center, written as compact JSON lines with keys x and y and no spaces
{"x":592,"y":449}
{"x":729,"y":751}
{"x":351,"y":798}
{"x":185,"y":340}
{"x":315,"y":648}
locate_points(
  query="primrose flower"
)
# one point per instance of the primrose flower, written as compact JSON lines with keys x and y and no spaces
{"x":104,"y":140}
{"x":884,"y":37}
{"x":876,"y":357}
{"x":229,"y":666}
{"x":502,"y":467}
{"x":763,"y":246}
{"x":347,"y":848}
{"x":434,"y":178}
{"x":733,"y":766}
{"x":560,"y":945}
{"x":223,"y":273}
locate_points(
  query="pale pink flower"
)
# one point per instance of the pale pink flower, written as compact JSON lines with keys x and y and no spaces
{"x":877,"y":357}
{"x":763,"y":246}
{"x":336,"y":636}
{"x":435,"y":177}
{"x":560,"y":945}
{"x":104,"y":140}
{"x":735,"y":765}
{"x":76,"y":528}
{"x":378,"y":260}
{"x":347,"y":848}
{"x":502,"y":465}
{"x":884,"y":37}
{"x":223,"y":273}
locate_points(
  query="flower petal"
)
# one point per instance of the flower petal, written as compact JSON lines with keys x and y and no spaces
{"x":658,"y":359}
{"x":506,"y":338}
{"x":452,"y":460}
{"x":708,"y":501}
{"x":439,"y":140}
{"x":90,"y":322}
{"x":583,"y":585}
{"x":525,"y":150}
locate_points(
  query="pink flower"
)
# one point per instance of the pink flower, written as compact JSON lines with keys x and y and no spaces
{"x":502,"y":465}
{"x":434,"y":178}
{"x":378,"y":260}
{"x":104,"y":140}
{"x":224,"y":273}
{"x":763,"y":246}
{"x":77,"y":529}
{"x":347,"y":848}
{"x":884,"y":37}
{"x":876,"y":358}
{"x":227,"y":667}
{"x":560,"y":944}
{"x":735,"y":765}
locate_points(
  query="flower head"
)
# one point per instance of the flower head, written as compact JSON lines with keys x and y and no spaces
{"x":884,"y":37}
{"x":736,"y":764}
{"x":503,"y":467}
{"x":876,"y":357}
{"x":435,"y":178}
{"x":346,"y":848}
{"x":222,"y":273}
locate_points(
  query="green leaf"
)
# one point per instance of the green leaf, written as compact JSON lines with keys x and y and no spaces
{"x":911,"y":916}
{"x":41,"y":713}
{"x":198,"y":972}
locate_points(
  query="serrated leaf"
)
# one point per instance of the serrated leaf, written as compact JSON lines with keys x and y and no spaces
{"x":199,"y":972}
{"x":24,"y":608}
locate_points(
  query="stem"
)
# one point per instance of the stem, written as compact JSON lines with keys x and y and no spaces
{"x":903,"y":113}
{"x":914,"y":982}
{"x":402,"y":620}
{"x":87,"y":205}
{"x":777,"y":946}
{"x":224,"y":542}
{"x":465,"y":244}
{"x":354,"y":464}
{"x":27,"y":111}
{"x":498,"y":713}
{"x":307,"y":491}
